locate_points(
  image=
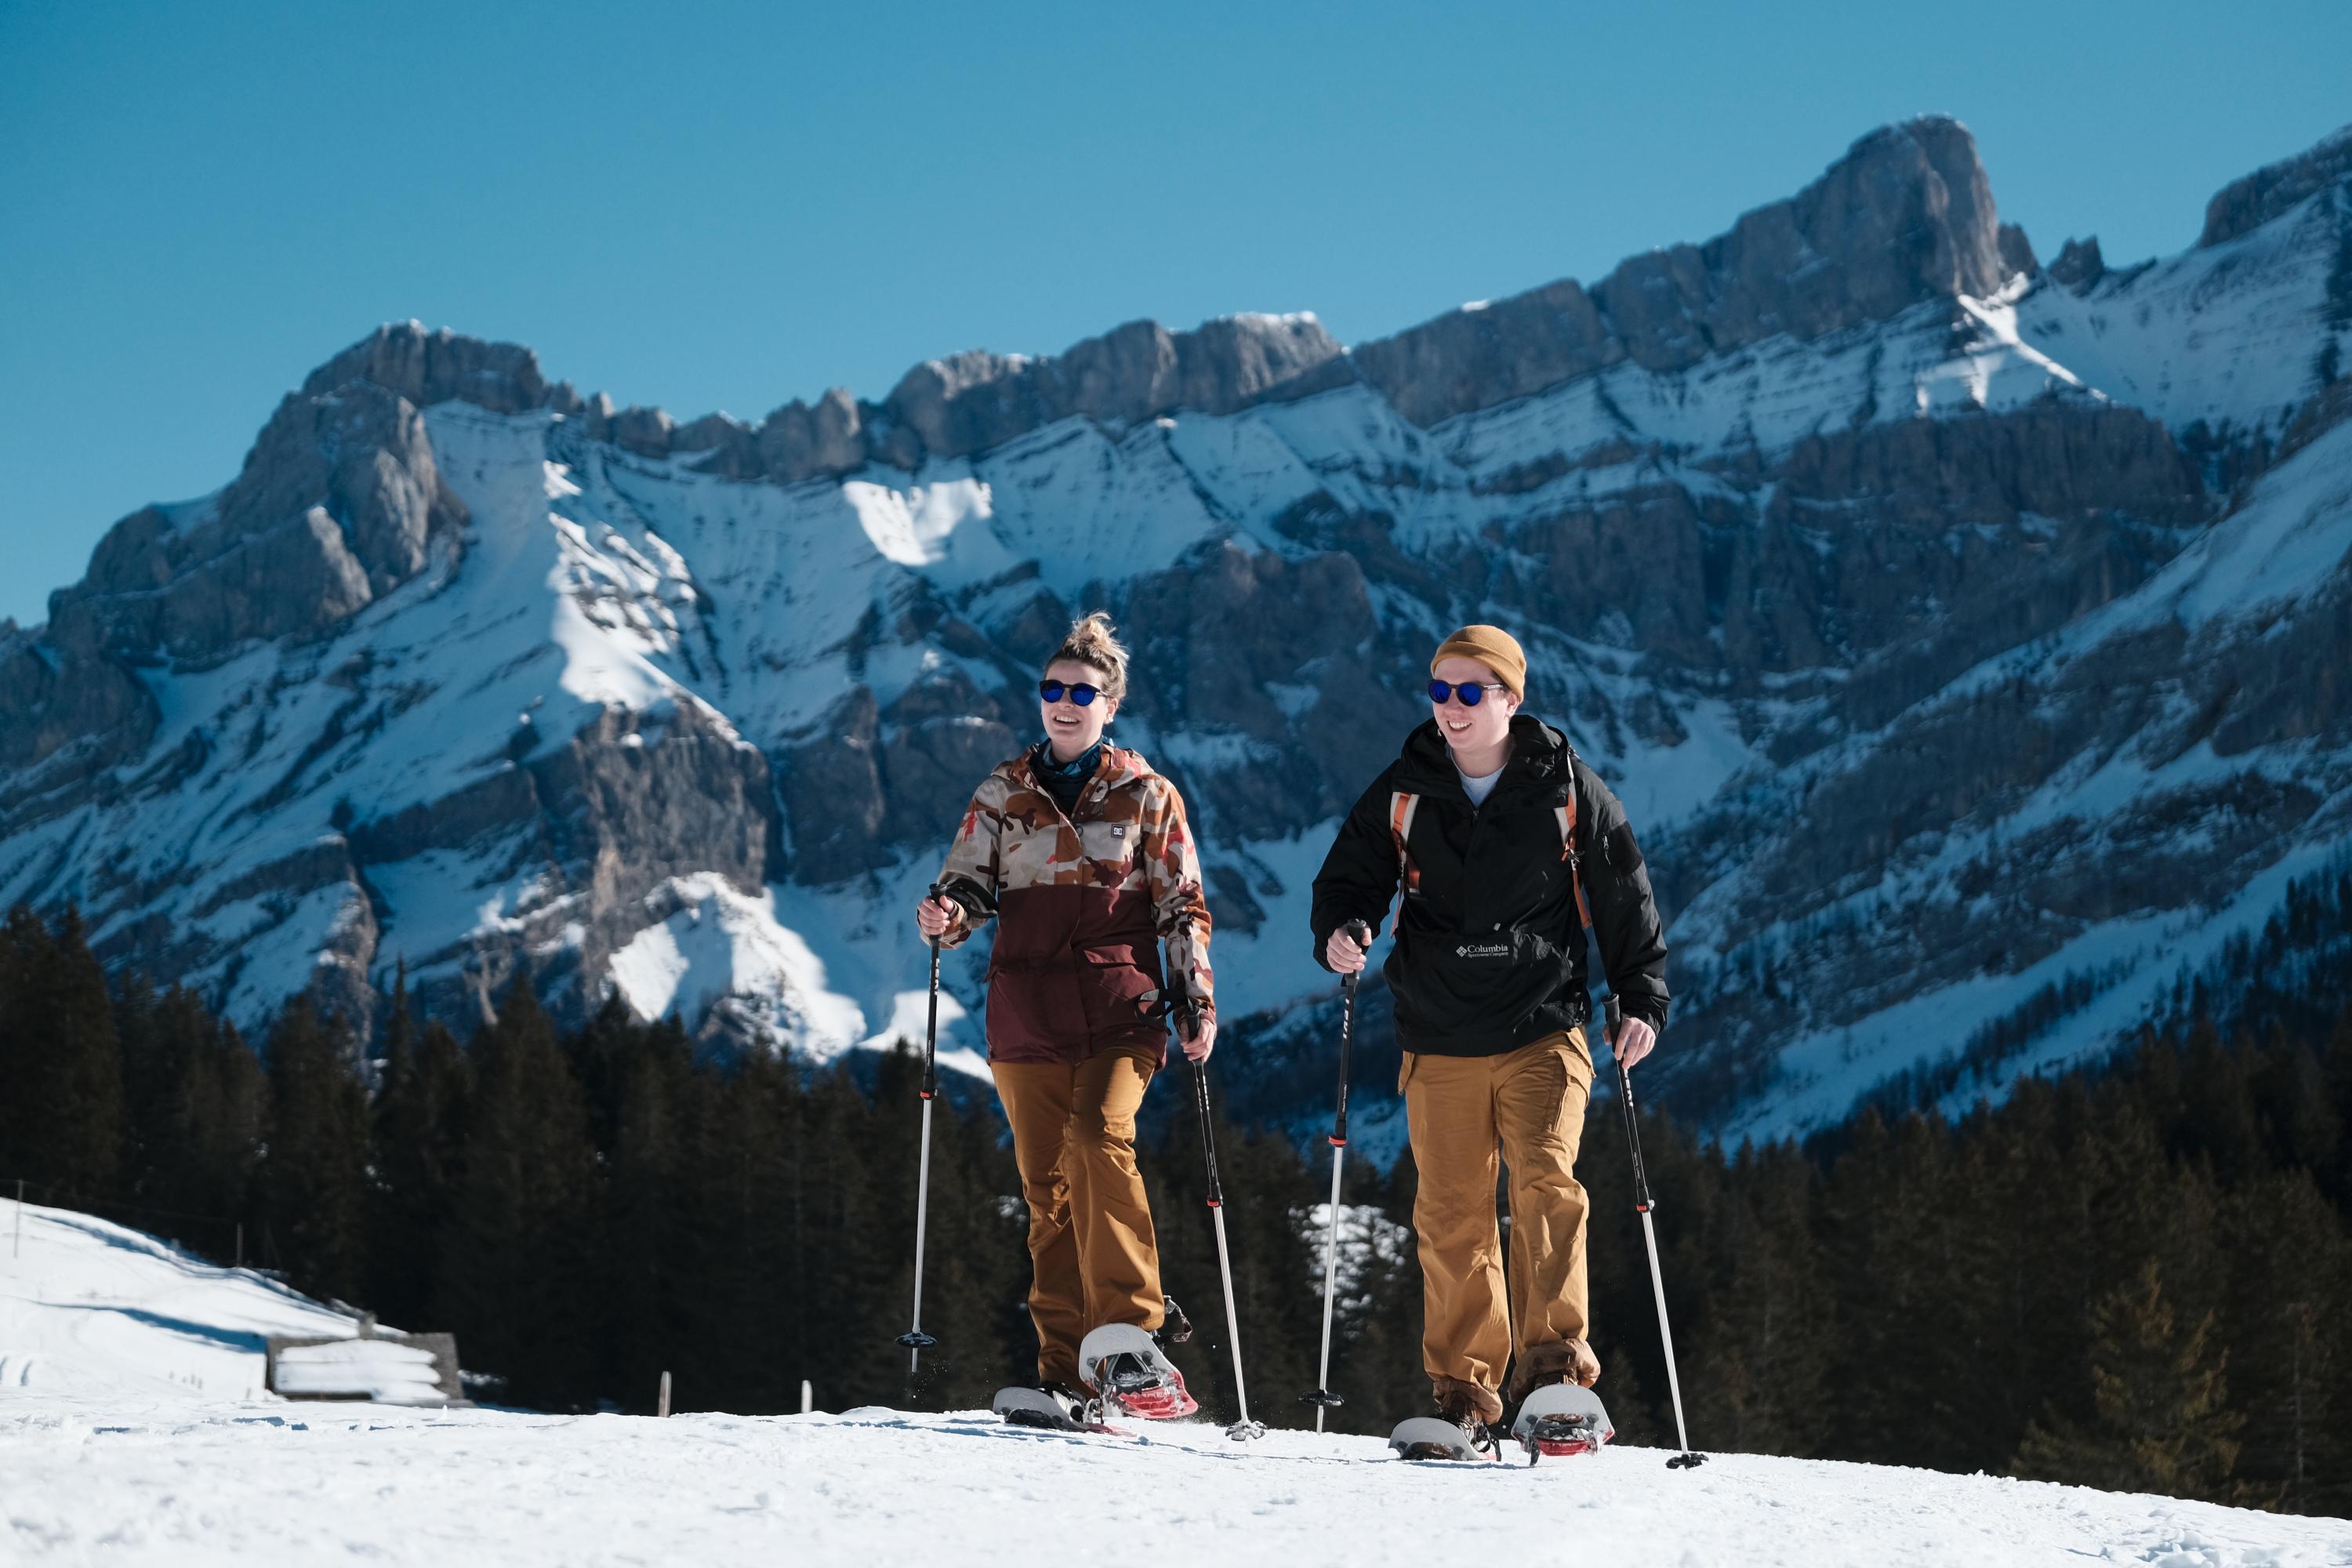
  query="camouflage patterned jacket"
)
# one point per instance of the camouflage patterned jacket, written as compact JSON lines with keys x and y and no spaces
{"x":1085,"y":901}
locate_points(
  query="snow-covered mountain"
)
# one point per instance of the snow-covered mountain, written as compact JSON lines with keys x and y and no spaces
{"x":1953,"y":627}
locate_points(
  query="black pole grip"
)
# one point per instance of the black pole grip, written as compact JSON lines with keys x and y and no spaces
{"x":1641,"y":1201}
{"x":931,"y":1028}
{"x":1361,"y":935}
{"x":1208,"y":1133}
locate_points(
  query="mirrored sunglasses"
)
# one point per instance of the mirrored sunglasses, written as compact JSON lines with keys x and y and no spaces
{"x":1470,"y":692}
{"x":1079,"y":692}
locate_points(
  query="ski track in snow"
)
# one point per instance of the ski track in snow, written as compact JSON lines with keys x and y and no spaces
{"x":133,"y":1430}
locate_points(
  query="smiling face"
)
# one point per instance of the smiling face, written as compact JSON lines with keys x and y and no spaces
{"x":1072,"y":729}
{"x":1476,"y":735}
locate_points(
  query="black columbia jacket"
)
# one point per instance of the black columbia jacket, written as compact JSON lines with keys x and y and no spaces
{"x":1490,"y":950}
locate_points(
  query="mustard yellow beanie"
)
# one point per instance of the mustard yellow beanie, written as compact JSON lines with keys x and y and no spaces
{"x":1493,"y":646}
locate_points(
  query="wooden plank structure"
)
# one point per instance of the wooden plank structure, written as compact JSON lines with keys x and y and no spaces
{"x":372,"y":1366}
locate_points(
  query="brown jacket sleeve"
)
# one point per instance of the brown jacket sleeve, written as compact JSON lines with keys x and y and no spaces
{"x":974,"y":873}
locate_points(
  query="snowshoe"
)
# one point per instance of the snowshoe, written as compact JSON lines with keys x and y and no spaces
{"x":1561,"y":1419}
{"x":1048,"y":1410}
{"x":1434,"y":1438}
{"x":1127,"y":1371}
{"x":1036,"y":1407}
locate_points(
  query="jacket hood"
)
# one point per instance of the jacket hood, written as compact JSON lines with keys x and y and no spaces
{"x":1540,"y":755}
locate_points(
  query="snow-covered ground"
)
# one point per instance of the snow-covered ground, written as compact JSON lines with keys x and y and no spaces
{"x":309,"y":1484}
{"x":94,"y":1316}
{"x":133,"y":1429}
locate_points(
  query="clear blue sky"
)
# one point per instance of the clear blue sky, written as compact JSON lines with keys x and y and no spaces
{"x":727,"y":205}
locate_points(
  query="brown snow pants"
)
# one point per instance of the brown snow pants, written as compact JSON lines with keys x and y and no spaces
{"x":1529,"y":1103}
{"x":1094,"y":1255}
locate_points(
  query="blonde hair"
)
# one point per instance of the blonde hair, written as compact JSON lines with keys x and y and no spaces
{"x":1092,"y":641}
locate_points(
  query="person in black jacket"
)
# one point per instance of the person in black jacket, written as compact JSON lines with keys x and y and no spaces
{"x":1502,"y":840}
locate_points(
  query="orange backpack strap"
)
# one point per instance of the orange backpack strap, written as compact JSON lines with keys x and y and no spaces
{"x":1567,"y":815}
{"x":1402,"y":807}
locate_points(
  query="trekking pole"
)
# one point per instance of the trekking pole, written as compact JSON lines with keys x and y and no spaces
{"x":1190,"y":1013}
{"x":1643,"y":1205}
{"x":1323,"y":1398}
{"x":914,"y":1339}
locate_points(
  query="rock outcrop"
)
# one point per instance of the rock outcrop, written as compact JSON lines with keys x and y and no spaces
{"x":339,"y":503}
{"x":2245,"y":204}
{"x":1906,"y":216}
{"x":955,"y":407}
{"x":2079,"y":265}
{"x":430,"y":367}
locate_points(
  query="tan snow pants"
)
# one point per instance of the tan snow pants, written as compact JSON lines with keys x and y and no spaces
{"x":1094,"y":1255}
{"x":1529,"y":1104}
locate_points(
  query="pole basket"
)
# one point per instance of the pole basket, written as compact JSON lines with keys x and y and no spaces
{"x":1324,"y":1397}
{"x":916,"y":1340}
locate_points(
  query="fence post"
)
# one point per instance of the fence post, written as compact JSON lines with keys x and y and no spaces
{"x":663,"y":1408}
{"x":241,"y":1244}
{"x":808,"y":1396}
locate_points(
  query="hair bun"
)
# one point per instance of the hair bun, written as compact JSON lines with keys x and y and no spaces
{"x":1092,"y":640}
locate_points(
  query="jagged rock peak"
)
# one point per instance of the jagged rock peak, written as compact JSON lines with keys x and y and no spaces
{"x":2079,"y":264}
{"x":1907,"y":215}
{"x":963,"y":404}
{"x":430,"y":367}
{"x":2247,"y":204}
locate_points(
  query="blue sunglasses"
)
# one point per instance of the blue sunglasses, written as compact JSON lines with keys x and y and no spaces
{"x":1080,"y":692}
{"x":1470,"y":692}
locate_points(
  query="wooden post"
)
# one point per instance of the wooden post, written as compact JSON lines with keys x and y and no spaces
{"x":662,"y":1409}
{"x":808,"y":1396}
{"x":241,"y":1244}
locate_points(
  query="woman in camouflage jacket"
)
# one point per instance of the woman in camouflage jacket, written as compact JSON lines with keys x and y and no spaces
{"x":1081,"y":853}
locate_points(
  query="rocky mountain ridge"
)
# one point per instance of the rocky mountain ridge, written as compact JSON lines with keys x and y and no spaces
{"x":1845,"y":543}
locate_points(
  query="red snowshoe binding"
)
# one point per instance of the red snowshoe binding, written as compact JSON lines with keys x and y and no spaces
{"x":1561,"y":1419}
{"x":1128,"y":1372}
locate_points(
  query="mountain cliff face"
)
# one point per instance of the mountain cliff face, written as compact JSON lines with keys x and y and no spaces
{"x":1954,"y":630}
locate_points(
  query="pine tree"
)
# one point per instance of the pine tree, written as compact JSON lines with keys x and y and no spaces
{"x":2290,"y":1284}
{"x":314,"y":1170}
{"x":197,"y":1124}
{"x":516,"y":1268}
{"x":61,"y":1119}
{"x":1888,"y":1201}
{"x":2160,"y":1419}
{"x":150,"y":1082}
{"x":648,"y":1267}
{"x":603,"y":1053}
{"x":1773,"y":1323}
{"x":419,"y":1119}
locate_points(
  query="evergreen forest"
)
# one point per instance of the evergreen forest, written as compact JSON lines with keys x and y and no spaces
{"x":2137,"y":1276}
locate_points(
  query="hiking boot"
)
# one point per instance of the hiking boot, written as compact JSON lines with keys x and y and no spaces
{"x":1561,"y":1361}
{"x":1465,"y":1407}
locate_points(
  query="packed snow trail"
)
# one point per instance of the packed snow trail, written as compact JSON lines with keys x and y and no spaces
{"x":81,"y":1483}
{"x":127,"y":1435}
